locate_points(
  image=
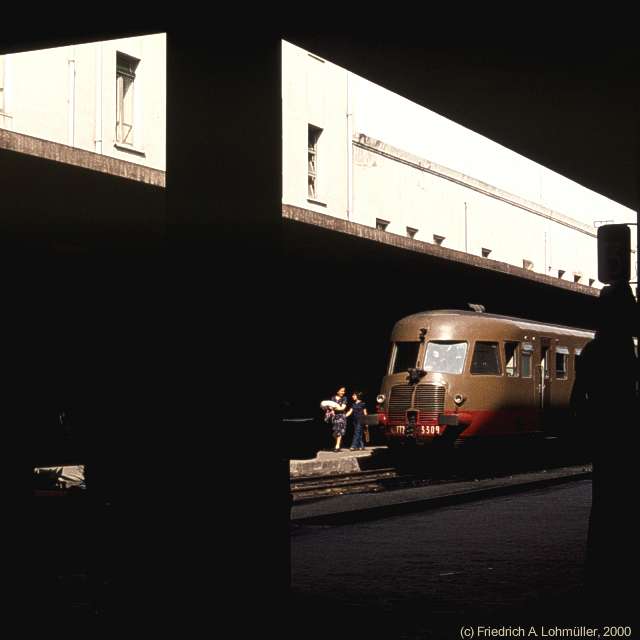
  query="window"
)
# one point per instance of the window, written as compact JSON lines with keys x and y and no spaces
{"x":562,"y":356}
{"x":438,"y":239}
{"x":406,"y":356}
{"x":313,"y":139}
{"x":485,"y":252}
{"x":525,"y":360}
{"x":528,"y":265}
{"x":544,"y":360}
{"x":445,"y":356}
{"x":486,"y":360}
{"x":381,"y":225}
{"x":511,"y":358}
{"x":411,"y":232}
{"x":125,"y":78}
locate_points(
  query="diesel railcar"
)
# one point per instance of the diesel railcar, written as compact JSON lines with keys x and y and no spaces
{"x":461,"y":376}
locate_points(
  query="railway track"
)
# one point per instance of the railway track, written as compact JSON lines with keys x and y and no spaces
{"x":305,"y":488}
{"x":389,"y":478}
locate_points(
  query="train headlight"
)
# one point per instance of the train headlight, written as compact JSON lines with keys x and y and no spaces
{"x":458,"y":398}
{"x":380,"y":399}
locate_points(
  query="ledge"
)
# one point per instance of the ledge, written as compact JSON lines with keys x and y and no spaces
{"x":128,"y":149}
{"x":47,"y":150}
{"x":385,"y":237}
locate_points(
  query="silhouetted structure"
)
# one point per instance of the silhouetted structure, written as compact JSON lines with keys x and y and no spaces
{"x":606,"y":403}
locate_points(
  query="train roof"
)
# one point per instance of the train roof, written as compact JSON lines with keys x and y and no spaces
{"x":531,"y":325}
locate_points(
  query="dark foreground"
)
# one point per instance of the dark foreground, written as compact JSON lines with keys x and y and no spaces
{"x":504,"y":563}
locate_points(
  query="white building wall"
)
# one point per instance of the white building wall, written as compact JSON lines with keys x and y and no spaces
{"x":515,"y":207}
{"x":68,"y":95}
{"x":314,"y":92}
{"x":401,"y":123}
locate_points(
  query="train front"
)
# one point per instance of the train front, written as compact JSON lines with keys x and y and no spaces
{"x":418,"y":403}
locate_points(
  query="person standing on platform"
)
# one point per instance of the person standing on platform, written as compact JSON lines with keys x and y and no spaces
{"x":358,"y":411}
{"x":339,"y":419}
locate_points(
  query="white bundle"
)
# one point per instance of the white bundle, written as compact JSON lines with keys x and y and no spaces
{"x":329,"y":404}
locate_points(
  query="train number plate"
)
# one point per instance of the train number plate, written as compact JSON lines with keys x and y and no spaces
{"x":429,"y":430}
{"x":423,"y":430}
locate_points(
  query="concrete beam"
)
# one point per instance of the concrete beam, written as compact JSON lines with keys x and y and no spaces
{"x":401,"y":242}
{"x":39,"y":148}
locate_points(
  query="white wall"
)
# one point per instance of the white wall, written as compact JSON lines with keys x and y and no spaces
{"x":397,"y":121}
{"x":67,"y":95}
{"x":314,"y":92}
{"x":393,"y":185}
{"x":515,"y":207}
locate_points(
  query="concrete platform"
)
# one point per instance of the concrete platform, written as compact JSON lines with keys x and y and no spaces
{"x":328,"y":463}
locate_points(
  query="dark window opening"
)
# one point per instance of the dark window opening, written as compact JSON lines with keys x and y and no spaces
{"x":545,"y":361}
{"x":486,"y":359}
{"x":314,"y":137}
{"x":561,"y":364}
{"x":406,"y":356}
{"x":511,"y":358}
{"x":125,"y":79}
{"x":525,"y":364}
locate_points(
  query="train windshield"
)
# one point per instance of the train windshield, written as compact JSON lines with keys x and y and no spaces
{"x":445,"y":356}
{"x":406,"y":356}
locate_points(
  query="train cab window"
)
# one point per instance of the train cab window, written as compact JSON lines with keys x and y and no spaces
{"x":445,"y":356}
{"x":525,"y":360}
{"x":486,"y":359}
{"x":511,"y":358}
{"x":405,"y":356}
{"x":562,"y":357}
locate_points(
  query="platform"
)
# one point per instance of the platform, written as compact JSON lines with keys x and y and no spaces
{"x":344,"y":461}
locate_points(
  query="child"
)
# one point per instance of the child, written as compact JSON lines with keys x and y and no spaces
{"x":358,"y":410}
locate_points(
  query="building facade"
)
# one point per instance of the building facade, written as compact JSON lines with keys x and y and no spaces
{"x":353,"y":150}
{"x":105,"y":97}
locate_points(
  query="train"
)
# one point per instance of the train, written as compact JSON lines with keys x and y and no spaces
{"x":456,"y":377}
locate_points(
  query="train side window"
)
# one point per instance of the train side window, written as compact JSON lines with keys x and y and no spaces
{"x":406,"y":356}
{"x":486,"y":359}
{"x":511,"y":358}
{"x":525,"y":360}
{"x":562,"y":356}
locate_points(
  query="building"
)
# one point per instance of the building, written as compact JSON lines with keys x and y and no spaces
{"x":353,"y":150}
{"x":107,"y":98}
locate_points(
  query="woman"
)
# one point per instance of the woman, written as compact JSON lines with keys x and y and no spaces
{"x":358,"y":410}
{"x":339,"y":420}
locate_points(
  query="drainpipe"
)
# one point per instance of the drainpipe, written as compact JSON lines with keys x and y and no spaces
{"x":98,"y":136}
{"x":349,"y":151}
{"x":466,"y":248}
{"x":72,"y":98}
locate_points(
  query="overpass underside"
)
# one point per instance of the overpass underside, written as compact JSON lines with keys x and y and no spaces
{"x":345,"y":285}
